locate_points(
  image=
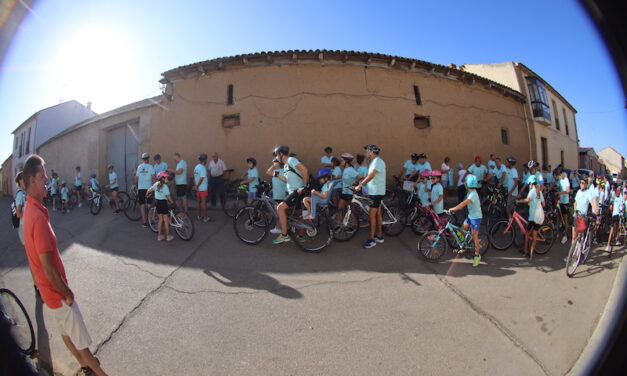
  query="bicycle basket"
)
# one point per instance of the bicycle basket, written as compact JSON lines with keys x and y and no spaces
{"x":580,"y":224}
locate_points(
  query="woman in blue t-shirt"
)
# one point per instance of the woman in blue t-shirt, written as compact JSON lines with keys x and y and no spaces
{"x":534,"y":198}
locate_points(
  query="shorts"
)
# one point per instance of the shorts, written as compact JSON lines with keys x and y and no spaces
{"x":116,"y":189}
{"x":615,"y":219}
{"x":533,"y":226}
{"x":346,"y":197}
{"x":292,"y":199}
{"x":71,"y":324}
{"x":511,"y":203}
{"x":78,"y":187}
{"x":181,"y":191}
{"x":252,"y":195}
{"x":141,"y":196}
{"x":162,"y":206}
{"x":376,"y":201}
{"x":474,"y":224}
{"x":202,"y":193}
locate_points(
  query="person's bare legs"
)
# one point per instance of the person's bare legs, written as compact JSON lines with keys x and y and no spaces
{"x":282,"y":211}
{"x":166,"y":222}
{"x":379,"y":222}
{"x":373,"y":221}
{"x":307,"y":204}
{"x":475,"y":238}
{"x":84,"y":357}
{"x":159,"y":225}
{"x":534,"y":237}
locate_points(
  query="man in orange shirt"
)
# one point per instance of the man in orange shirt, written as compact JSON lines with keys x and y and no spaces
{"x":47,"y":268}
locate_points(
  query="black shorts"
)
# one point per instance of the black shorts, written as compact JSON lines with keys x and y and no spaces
{"x":181,"y":190}
{"x":376,"y":201}
{"x":141,"y":196}
{"x":116,"y":189}
{"x":162,"y":206}
{"x":292,"y":199}
{"x":346,"y":197}
{"x":533,"y":226}
{"x":615,"y":219}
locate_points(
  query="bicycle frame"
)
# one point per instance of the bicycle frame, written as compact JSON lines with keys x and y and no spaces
{"x":362,"y":201}
{"x":522,"y":225}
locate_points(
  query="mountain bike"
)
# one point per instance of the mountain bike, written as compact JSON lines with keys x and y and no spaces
{"x":105,"y":196}
{"x":504,"y":233}
{"x":434,"y":244}
{"x":13,"y":312}
{"x":580,"y":247}
{"x":494,"y":205}
{"x":132,"y":207}
{"x":427,"y":219}
{"x":252,"y":223}
{"x":180,"y":221}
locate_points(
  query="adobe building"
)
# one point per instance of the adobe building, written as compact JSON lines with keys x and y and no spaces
{"x":243,"y":106}
{"x":550,"y":117}
{"x":614,"y":161}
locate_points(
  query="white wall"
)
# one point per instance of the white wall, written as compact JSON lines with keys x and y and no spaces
{"x":52,"y":121}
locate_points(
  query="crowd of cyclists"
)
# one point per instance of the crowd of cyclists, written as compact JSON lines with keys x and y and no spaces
{"x":485,"y":192}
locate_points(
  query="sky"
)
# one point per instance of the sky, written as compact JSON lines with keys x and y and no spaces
{"x":112,"y":53}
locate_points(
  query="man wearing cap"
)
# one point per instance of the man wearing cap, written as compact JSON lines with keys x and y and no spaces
{"x":216,"y":178}
{"x":481,"y":173}
{"x":409,"y":167}
{"x":200,"y":186}
{"x":144,"y":178}
{"x":375,"y":182}
{"x":180,"y":179}
{"x":422,"y":165}
{"x":159,"y":165}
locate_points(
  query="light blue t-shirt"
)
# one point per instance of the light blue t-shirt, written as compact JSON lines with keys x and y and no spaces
{"x":582,"y":199}
{"x":113,"y":177}
{"x":200,"y":171}
{"x":363,"y":171}
{"x":253,"y":173}
{"x":479,"y":172}
{"x":533,"y":204}
{"x":474,"y":208}
{"x":376,"y":186}
{"x":65,"y":194}
{"x":564,"y":185}
{"x":326,"y":160}
{"x":539,"y":178}
{"x":160,"y":193}
{"x":510,"y":182}
{"x":499,"y":171}
{"x":409,"y":167}
{"x":160,"y":167}
{"x":337,"y":172}
{"x":420,"y":167}
{"x":436,"y":192}
{"x":181,"y":179}
{"x":549,"y":178}
{"x":325,"y":187}
{"x":93,"y":183}
{"x":279,"y":188}
{"x":618,"y":205}
{"x":593,"y":194}
{"x":20,"y":199}
{"x":294,"y":180}
{"x":77,"y":179}
{"x":423,"y":196}
{"x":491,"y":165}
{"x":145,"y":173}
{"x":348,"y":179}
{"x":53,"y":186}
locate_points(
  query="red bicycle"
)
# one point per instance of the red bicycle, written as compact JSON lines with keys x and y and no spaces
{"x":504,"y":233}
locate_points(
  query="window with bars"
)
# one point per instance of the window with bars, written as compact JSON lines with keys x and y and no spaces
{"x":505,"y":136}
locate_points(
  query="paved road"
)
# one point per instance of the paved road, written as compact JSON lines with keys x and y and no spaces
{"x":216,"y":306}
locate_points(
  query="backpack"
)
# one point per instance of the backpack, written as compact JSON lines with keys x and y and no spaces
{"x":14,"y":218}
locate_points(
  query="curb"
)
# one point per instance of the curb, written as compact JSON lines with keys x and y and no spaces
{"x":607,"y":330}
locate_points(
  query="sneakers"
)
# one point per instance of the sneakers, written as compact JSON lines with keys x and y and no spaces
{"x":564,"y":239}
{"x":86,"y":371}
{"x":275,"y":231}
{"x":80,"y":204}
{"x":160,"y":237}
{"x":281,"y":239}
{"x":369,"y":244}
{"x":476,"y":260}
{"x":169,"y":238}
{"x":379,"y":239}
{"x":144,"y":225}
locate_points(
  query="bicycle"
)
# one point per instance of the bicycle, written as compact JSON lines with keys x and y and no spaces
{"x":132,"y":207}
{"x":181,"y":222}
{"x":621,"y":234}
{"x":248,"y":219}
{"x":434,"y":244}
{"x":428,"y":219}
{"x":580,"y":246}
{"x":494,"y":205}
{"x":503,"y":233}
{"x":13,"y":312}
{"x":235,"y":197}
{"x":98,"y":198}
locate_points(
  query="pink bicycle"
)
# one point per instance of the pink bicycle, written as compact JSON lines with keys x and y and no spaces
{"x":503,"y":233}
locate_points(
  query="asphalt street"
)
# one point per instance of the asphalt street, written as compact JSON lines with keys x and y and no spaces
{"x":216,"y":306}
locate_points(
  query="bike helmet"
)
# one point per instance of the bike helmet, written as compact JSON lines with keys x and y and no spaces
{"x":415,"y":156}
{"x":436,"y":173}
{"x":422,"y":156}
{"x":471,"y":181}
{"x":373,"y":148}
{"x":202,"y":157}
{"x":531,"y":164}
{"x":511,"y":160}
{"x":93,"y":175}
{"x":323,"y":172}
{"x":62,"y":182}
{"x":145,"y":156}
{"x":281,"y":149}
{"x":348,"y":156}
{"x":162,"y":174}
{"x":156,"y":156}
{"x":110,"y":166}
{"x":425,"y":173}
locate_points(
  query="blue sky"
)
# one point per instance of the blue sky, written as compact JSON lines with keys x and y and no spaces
{"x":113,"y":52}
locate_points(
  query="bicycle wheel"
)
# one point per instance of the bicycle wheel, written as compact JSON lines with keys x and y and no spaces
{"x":132,"y":210}
{"x":316,"y":237}
{"x":422,"y":224}
{"x":153,"y":219}
{"x":501,"y":237}
{"x":546,"y":239}
{"x":20,"y":326}
{"x":232,"y":204}
{"x":574,"y":256}
{"x":123,"y":198}
{"x":432,"y":246}
{"x":95,"y":205}
{"x":73,"y":201}
{"x":345,"y":232}
{"x":484,"y":244}
{"x":392,"y":224}
{"x":183,"y":225}
{"x":251,"y":225}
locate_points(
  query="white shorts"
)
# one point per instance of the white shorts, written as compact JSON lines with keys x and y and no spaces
{"x":71,"y":324}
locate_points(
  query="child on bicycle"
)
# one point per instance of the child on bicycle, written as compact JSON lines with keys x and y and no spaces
{"x":422,"y":188}
{"x":93,"y":183}
{"x":350,"y":176}
{"x":162,"y":197}
{"x":252,"y":179}
{"x":65,"y":197}
{"x":619,"y":209}
{"x":474,"y":215}
{"x":534,"y":198}
{"x":318,"y":197}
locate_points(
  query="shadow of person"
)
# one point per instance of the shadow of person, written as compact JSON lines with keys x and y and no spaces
{"x":44,"y":356}
{"x":253,"y":280}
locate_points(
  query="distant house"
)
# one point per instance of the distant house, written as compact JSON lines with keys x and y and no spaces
{"x":614,"y":161}
{"x":42,"y":126}
{"x":589,"y":160}
{"x":6,"y":185}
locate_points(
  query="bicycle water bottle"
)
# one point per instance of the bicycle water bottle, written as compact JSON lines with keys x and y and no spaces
{"x":460,"y":236}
